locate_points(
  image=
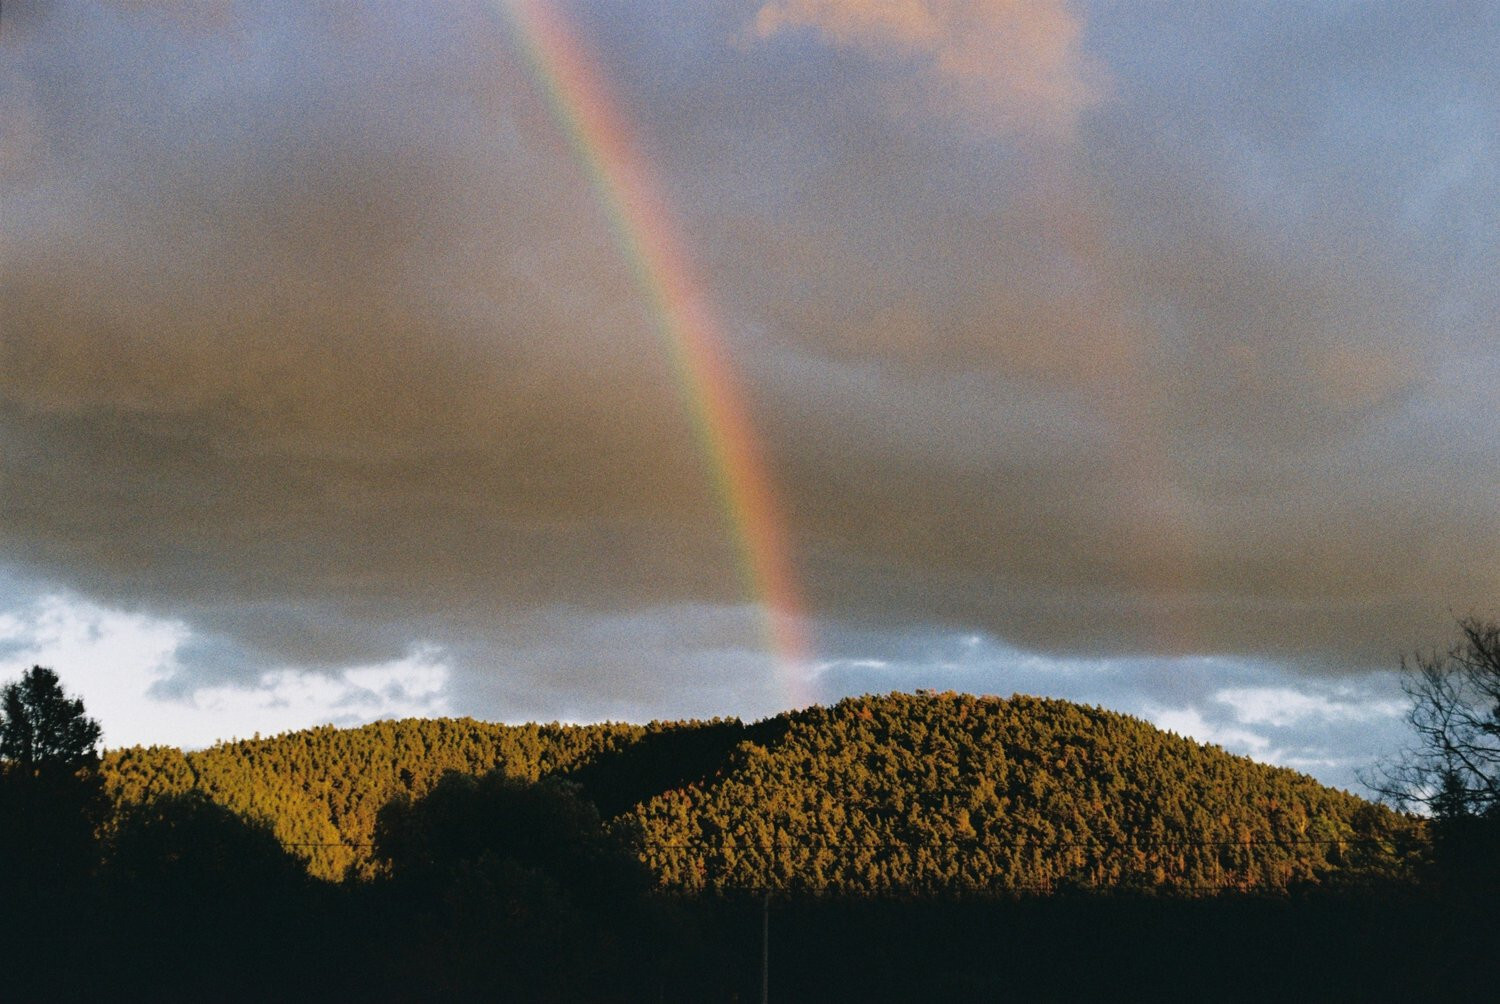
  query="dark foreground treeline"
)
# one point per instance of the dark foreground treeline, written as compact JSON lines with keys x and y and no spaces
{"x":923,"y":847}
{"x":488,"y":937}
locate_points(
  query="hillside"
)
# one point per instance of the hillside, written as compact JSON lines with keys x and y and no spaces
{"x":939,"y":793}
{"x":902,"y":793}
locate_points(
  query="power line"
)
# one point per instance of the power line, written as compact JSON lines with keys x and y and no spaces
{"x":983,"y":843}
{"x":987,"y":844}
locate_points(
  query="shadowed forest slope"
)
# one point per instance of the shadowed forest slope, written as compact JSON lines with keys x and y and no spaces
{"x":926,"y":793}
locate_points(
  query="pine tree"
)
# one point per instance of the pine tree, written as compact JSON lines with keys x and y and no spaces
{"x":42,"y":730}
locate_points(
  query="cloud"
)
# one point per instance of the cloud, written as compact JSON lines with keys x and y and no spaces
{"x":316,"y":341}
{"x":1332,"y":730}
{"x":282,"y":700}
{"x":1190,"y":722}
{"x":1283,"y":706}
{"x":1006,"y":65}
{"x":123,"y":666}
{"x":263,"y":351}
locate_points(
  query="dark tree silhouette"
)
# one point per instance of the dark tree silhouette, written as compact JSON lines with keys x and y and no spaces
{"x":43,"y":732}
{"x":1453,"y":771}
{"x":519,"y":885}
{"x":50,"y":804}
{"x":50,"y":792}
{"x":546,"y":827}
{"x":189,"y":846}
{"x":1454,"y":768}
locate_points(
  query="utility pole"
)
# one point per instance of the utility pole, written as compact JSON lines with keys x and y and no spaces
{"x":765,"y":949}
{"x":765,"y":923}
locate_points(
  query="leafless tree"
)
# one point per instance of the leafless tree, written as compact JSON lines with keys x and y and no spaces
{"x":1453,"y":770}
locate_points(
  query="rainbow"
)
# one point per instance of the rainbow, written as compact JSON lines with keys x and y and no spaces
{"x":643,"y":230}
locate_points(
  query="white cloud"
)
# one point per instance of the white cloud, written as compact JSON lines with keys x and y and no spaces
{"x":818,"y":669}
{"x":115,"y":660}
{"x":288,"y":699}
{"x":692,"y":662}
{"x":1286,"y":706}
{"x":107,"y":657}
{"x":1191,"y":723}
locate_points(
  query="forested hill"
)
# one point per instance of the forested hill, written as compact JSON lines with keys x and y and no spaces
{"x":911,"y":793}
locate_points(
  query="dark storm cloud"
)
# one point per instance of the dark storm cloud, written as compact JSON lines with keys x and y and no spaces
{"x":314,"y":336}
{"x":1182,"y":383}
{"x":1162,"y":336}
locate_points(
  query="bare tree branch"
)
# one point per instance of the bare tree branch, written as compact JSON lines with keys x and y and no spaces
{"x":1454,"y":767}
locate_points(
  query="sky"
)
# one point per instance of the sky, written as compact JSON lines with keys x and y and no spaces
{"x":571,"y":361}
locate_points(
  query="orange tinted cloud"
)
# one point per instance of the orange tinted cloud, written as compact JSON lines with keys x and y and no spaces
{"x":1007,"y":65}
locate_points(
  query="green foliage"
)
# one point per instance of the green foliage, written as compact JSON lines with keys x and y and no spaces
{"x":899,"y":794}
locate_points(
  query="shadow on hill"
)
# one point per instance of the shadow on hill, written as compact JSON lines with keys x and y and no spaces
{"x":189,"y":847}
{"x":497,"y":887}
{"x":668,"y":756}
{"x":210,"y":899}
{"x":494,"y":882}
{"x":185,"y":900}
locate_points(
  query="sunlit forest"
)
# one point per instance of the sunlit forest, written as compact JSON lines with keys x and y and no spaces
{"x":904,"y":846}
{"x":880,"y":795}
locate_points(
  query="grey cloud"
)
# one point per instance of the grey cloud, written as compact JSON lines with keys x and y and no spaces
{"x":662,"y":662}
{"x":330,"y":344}
{"x":1332,"y":730}
{"x":316,"y":336}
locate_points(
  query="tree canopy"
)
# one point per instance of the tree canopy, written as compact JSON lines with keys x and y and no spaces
{"x":50,"y":791}
{"x":894,"y":794}
{"x":42,"y":730}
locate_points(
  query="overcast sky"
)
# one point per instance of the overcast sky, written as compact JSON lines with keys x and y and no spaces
{"x":1143,"y":354}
